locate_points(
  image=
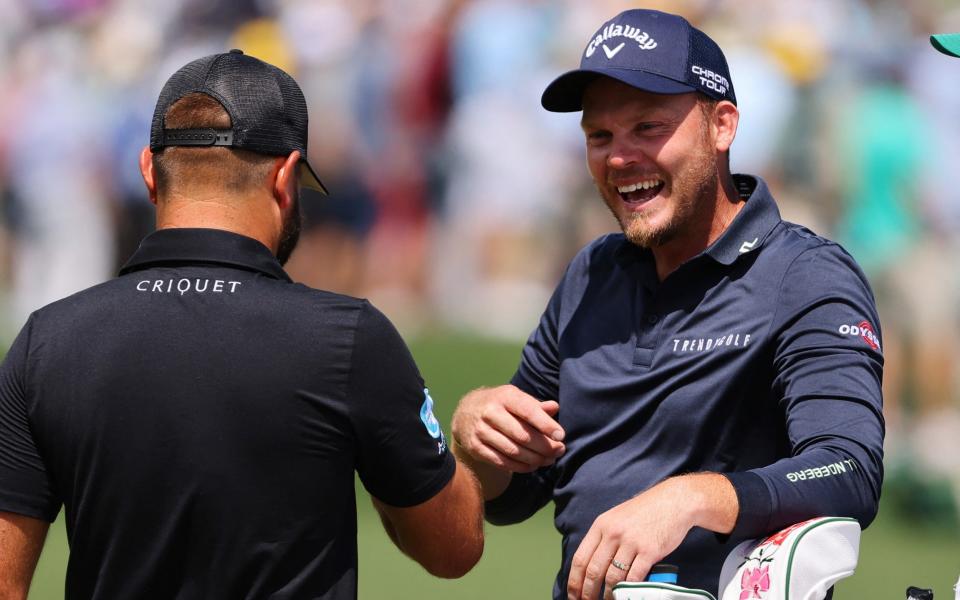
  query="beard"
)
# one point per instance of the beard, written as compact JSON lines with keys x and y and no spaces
{"x":291,"y":231}
{"x":692,"y":195}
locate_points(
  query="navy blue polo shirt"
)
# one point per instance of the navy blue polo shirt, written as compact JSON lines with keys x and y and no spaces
{"x":759,"y":358}
{"x":201,"y":418}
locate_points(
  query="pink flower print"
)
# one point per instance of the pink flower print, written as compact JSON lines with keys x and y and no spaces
{"x":778,"y":538}
{"x":754,"y":583}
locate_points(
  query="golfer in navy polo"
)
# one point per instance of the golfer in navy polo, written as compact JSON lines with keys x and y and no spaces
{"x":709,"y":375}
{"x":200,"y":418}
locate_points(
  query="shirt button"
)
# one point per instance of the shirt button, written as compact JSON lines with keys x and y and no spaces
{"x":652,"y":319}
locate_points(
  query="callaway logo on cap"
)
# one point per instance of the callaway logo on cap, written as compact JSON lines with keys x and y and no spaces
{"x":650,"y":50}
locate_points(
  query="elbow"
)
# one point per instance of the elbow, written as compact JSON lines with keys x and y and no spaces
{"x":863,"y":501}
{"x":872,"y":486}
{"x":867,"y":511}
{"x":866,"y":518}
{"x":456,"y":562}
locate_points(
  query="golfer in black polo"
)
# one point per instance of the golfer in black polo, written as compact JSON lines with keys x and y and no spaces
{"x":201,"y":417}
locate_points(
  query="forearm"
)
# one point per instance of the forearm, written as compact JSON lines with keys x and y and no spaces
{"x":493,"y":480}
{"x":21,"y":540}
{"x":826,"y":480}
{"x":624,"y":542}
{"x":709,"y":500}
{"x":444,"y":534}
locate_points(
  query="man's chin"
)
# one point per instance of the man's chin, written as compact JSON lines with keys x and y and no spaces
{"x":646,"y":236}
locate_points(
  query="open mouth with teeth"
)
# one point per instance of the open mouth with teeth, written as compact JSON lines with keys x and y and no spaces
{"x":640,"y":191}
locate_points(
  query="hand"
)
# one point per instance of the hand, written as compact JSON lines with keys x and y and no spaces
{"x":641,"y":531}
{"x":508,"y":429}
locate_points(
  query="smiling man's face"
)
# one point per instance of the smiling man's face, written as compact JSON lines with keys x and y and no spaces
{"x":654,"y":160}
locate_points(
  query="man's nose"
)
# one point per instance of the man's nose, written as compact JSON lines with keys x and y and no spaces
{"x":618,"y":161}
{"x":624,"y":155}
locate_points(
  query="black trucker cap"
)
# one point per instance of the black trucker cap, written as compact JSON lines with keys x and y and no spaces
{"x":268,"y":112}
{"x":649,"y":50}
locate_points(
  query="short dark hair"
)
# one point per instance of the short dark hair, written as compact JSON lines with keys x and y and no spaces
{"x":181,"y":168}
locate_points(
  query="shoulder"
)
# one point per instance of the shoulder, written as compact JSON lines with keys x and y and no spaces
{"x":363,"y":316}
{"x":300,"y":293}
{"x":814,"y":271}
{"x":79,"y":305}
{"x":798,"y":251}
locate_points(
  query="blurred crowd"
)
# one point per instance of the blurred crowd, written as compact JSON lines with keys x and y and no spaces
{"x":456,"y":201}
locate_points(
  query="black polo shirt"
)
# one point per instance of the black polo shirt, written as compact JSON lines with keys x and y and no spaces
{"x":201,"y":419}
{"x":759,"y":358}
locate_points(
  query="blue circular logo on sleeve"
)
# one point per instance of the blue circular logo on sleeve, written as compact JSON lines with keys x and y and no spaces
{"x":426,"y":415}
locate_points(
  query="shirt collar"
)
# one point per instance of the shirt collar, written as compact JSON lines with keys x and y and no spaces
{"x":186,"y":245}
{"x":746,"y":232}
{"x":753,"y":223}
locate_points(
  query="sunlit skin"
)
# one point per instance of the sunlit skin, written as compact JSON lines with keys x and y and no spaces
{"x":633,"y":137}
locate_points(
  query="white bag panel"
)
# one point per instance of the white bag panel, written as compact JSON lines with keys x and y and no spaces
{"x":657,"y":591}
{"x":800,"y":562}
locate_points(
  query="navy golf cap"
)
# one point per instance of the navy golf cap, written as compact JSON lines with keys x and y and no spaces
{"x":649,"y":50}
{"x":268,"y":113}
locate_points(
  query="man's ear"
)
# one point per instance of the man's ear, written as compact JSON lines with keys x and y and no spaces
{"x":146,"y":169}
{"x":726,"y":117}
{"x":286,"y":180}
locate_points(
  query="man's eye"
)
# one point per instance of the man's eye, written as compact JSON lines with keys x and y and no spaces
{"x":653,"y":128}
{"x":598,"y":137}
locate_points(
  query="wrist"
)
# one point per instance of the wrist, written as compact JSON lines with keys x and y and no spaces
{"x":708,"y":499}
{"x":493,"y":480}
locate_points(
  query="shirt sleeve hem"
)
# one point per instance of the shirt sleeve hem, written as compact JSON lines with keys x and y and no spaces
{"x":754,"y":500}
{"x":28,"y":509}
{"x":512,"y":506}
{"x":426,"y":491}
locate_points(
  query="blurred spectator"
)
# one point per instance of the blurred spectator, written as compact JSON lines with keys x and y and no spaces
{"x":57,"y":174}
{"x":508,"y":186}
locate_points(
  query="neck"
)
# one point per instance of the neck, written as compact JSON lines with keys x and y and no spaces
{"x":711,"y":222}
{"x":250,"y":217}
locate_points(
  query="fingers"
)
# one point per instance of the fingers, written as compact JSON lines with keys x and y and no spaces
{"x":505,"y":427}
{"x":619,"y":570}
{"x":600,"y":564}
{"x":524,"y":435}
{"x":597,"y":569}
{"x":535,"y":413}
{"x":551,"y":407}
{"x":580,"y":563}
{"x":506,"y":453}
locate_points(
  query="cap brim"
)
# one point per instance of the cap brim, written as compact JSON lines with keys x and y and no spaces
{"x":309,"y":179}
{"x":948,"y":43}
{"x":565,"y":93}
